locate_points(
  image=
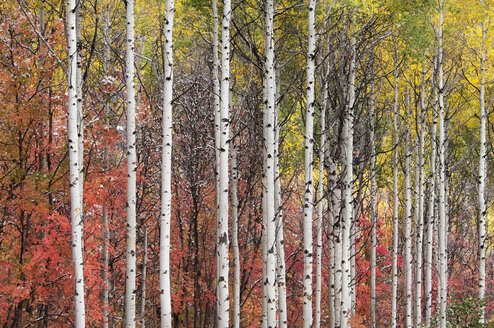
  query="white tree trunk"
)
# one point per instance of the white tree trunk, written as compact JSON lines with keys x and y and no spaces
{"x":373,"y":191}
{"x":308,"y":196}
{"x":269,"y":215}
{"x":216,"y":95}
{"x":80,"y":116}
{"x":222,"y":293}
{"x":166,"y":173}
{"x":419,"y":225}
{"x":236,"y":252}
{"x":408,"y":223}
{"x":432,"y":206}
{"x":278,"y":202}
{"x":482,"y":173}
{"x":320,"y":218}
{"x":443,"y":220}
{"x":346,"y":288}
{"x":75,"y":164}
{"x":130,"y":269}
{"x":143,"y":278}
{"x":106,"y":231}
{"x":394,"y":282}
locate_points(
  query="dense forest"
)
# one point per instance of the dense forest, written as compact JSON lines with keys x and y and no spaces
{"x":246,"y":163}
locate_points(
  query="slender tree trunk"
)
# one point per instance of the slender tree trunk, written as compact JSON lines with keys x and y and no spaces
{"x":104,"y":270}
{"x":106,"y":230}
{"x":222,"y":293}
{"x":269,"y":307}
{"x":394,"y":283}
{"x":320,"y":218}
{"x":419,"y":225}
{"x":308,"y":196}
{"x":432,"y":206}
{"x":373,"y":191}
{"x":130,"y":275}
{"x":346,"y":289}
{"x":236,"y":253}
{"x":143,"y":278}
{"x":75,"y":164}
{"x":443,"y":219}
{"x":166,"y":162}
{"x":482,"y":174}
{"x":278,"y":202}
{"x":408,"y":222}
{"x":80,"y":116}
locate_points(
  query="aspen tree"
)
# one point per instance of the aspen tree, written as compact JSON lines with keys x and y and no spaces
{"x":482,"y":172}
{"x":278,"y":202}
{"x":222,"y":261}
{"x":419,"y":217}
{"x":308,"y":174}
{"x":75,"y":190}
{"x":320,"y":210}
{"x":408,"y":222}
{"x":106,"y":230}
{"x":394,"y":282}
{"x":432,"y":206}
{"x":236,"y":253}
{"x":269,"y":261}
{"x":166,"y":161}
{"x":143,"y":278}
{"x":443,"y":219}
{"x":130,"y":268}
{"x":347,"y":220}
{"x":373,"y":191}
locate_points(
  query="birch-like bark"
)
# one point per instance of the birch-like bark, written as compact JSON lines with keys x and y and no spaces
{"x":75,"y":190}
{"x":104,"y":270}
{"x":432,"y":206}
{"x":269,"y":215}
{"x":308,"y":165}
{"x":394,"y":282}
{"x":373,"y":191}
{"x":408,"y":222}
{"x":143,"y":278}
{"x":482,"y":174}
{"x":278,"y":202}
{"x":80,"y":116}
{"x":106,"y":231}
{"x":222,"y":293}
{"x":216,"y":94}
{"x":419,"y":217}
{"x":443,"y":220}
{"x":236,"y":252}
{"x":130,"y":269}
{"x":166,"y":173}
{"x":320,"y":210}
{"x":346,"y":288}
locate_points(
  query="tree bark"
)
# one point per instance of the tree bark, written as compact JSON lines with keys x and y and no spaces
{"x":373,"y":191}
{"x":408,"y":222}
{"x":130,"y":269}
{"x":482,"y":173}
{"x":394,"y":282}
{"x":222,"y":293}
{"x":308,"y":195}
{"x":166,"y":162}
{"x":320,"y":218}
{"x":432,"y":206}
{"x":347,"y":283}
{"x":443,"y":219}
{"x":75,"y":191}
{"x":269,"y":215}
{"x":236,"y":252}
